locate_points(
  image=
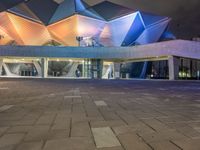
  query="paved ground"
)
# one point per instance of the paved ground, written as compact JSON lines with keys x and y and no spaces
{"x":99,"y":115}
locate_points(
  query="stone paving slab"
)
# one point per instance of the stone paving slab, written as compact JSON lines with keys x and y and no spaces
{"x":164,"y":145}
{"x":100,"y":103}
{"x":5,"y":107}
{"x":132,"y":141}
{"x":104,"y":137}
{"x":70,"y":144}
{"x":188,"y":144}
{"x":10,"y":139}
{"x":30,"y":146}
{"x":37,"y":133}
{"x":81,"y":129}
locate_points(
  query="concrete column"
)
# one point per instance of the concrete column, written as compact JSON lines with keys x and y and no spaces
{"x":96,"y":68}
{"x":44,"y":62}
{"x":117,"y":67}
{"x":1,"y":66}
{"x":38,"y":68}
{"x":173,"y":63}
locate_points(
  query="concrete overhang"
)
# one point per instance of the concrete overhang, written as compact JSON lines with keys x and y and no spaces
{"x":161,"y":50}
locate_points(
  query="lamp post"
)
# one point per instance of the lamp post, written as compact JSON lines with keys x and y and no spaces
{"x":79,"y":39}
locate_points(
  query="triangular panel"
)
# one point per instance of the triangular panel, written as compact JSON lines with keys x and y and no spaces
{"x":106,"y":36}
{"x":152,"y":34}
{"x":89,"y":27}
{"x":91,"y":13}
{"x":6,"y":4}
{"x":68,"y":8}
{"x":110,"y":11}
{"x":150,"y":19}
{"x":118,"y":30}
{"x":167,"y":35}
{"x":5,"y":39}
{"x":135,"y":31}
{"x":65,"y":31}
{"x":23,"y":11}
{"x":80,"y":5}
{"x":30,"y":32}
{"x":7,"y":26}
{"x":43,"y":9}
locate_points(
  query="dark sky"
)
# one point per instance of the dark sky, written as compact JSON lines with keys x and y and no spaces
{"x":185,"y":14}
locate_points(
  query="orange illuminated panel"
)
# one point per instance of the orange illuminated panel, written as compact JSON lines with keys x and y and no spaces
{"x":65,"y":31}
{"x":5,"y":39}
{"x":30,"y":32}
{"x":7,"y":27}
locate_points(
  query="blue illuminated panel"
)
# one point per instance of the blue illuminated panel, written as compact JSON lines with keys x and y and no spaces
{"x":134,"y":32}
{"x":153,"y":33}
{"x":150,"y":19}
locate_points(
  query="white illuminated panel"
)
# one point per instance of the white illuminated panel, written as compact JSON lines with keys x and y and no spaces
{"x":115,"y":31}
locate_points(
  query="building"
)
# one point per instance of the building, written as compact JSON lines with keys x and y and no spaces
{"x":71,"y":39}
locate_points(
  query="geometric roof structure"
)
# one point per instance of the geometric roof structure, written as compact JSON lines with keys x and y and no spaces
{"x":36,"y":22}
{"x":41,"y":10}
{"x":71,"y":7}
{"x":110,"y":11}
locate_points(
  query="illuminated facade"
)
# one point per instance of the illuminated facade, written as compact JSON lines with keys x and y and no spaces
{"x":106,"y":23}
{"x":74,"y":23}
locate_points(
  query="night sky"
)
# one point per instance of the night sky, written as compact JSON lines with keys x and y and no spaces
{"x":185,"y":14}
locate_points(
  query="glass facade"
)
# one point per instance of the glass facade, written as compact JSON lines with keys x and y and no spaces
{"x":158,"y":70}
{"x":188,"y":69}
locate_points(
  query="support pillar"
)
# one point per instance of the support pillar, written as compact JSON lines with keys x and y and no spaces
{"x":117,"y":68}
{"x":38,"y":68}
{"x":96,"y":68}
{"x":1,"y":66}
{"x":44,"y":62}
{"x":173,"y":63}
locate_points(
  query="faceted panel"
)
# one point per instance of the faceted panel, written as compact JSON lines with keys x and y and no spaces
{"x":89,"y":27}
{"x":31,"y":33}
{"x":150,"y":19}
{"x":7,"y":27}
{"x":64,"y":10}
{"x":153,"y":33}
{"x":80,"y":5}
{"x":91,"y":13}
{"x":115,"y":31}
{"x":23,"y":11}
{"x":106,"y":36}
{"x":43,"y":9}
{"x":65,"y":31}
{"x":5,"y":39}
{"x":5,"y":4}
{"x":135,"y":31}
{"x":110,"y":11}
{"x":167,"y":35}
{"x":70,"y":7}
{"x":77,"y":25}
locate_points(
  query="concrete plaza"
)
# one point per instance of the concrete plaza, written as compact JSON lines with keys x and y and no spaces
{"x":50,"y":114}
